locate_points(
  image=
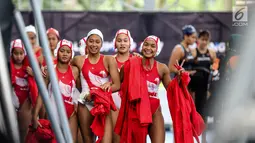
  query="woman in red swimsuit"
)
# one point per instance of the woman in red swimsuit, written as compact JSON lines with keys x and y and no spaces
{"x":20,"y":86}
{"x":53,"y":38}
{"x":96,"y":71}
{"x":31,"y":32}
{"x":142,"y":76}
{"x":67,"y":76}
{"x":32,"y":35}
{"x":122,"y":43}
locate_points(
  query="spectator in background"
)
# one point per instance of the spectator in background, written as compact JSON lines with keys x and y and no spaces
{"x":183,"y":52}
{"x":233,"y":52}
{"x":226,"y":67}
{"x":203,"y":61}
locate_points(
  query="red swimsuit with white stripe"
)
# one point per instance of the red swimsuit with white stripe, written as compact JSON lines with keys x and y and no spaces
{"x":95,"y":74}
{"x":120,"y":64}
{"x":153,"y":81}
{"x":116,"y":95}
{"x":66,"y":83}
{"x":20,"y":83}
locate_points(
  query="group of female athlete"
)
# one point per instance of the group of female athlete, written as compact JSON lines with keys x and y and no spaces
{"x":92,"y":84}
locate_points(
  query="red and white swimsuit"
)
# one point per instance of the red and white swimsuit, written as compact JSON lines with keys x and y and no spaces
{"x":67,"y":85}
{"x":20,"y":85}
{"x":120,"y":64}
{"x":116,"y":95}
{"x":93,"y":75}
{"x":153,"y":81}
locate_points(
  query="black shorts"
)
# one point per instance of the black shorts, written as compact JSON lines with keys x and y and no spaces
{"x":198,"y":81}
{"x":198,"y":84}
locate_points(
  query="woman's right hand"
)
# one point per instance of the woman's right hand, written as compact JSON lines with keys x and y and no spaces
{"x":35,"y":123}
{"x":88,"y":98}
{"x":44,"y":70}
{"x":85,"y":96}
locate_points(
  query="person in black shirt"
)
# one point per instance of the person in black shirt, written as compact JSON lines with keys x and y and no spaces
{"x":203,"y":60}
{"x":182,"y":51}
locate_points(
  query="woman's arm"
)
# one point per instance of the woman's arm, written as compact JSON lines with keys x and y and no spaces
{"x":76,"y":75}
{"x":113,"y":70}
{"x":38,"y":105}
{"x":213,"y":55}
{"x":165,"y":75}
{"x":176,"y":55}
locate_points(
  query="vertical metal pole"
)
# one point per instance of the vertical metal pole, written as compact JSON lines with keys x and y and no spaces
{"x":9,"y":114}
{"x":149,"y":5}
{"x":53,"y":79}
{"x":38,"y":77}
{"x":41,"y":4}
{"x":51,"y":4}
{"x":19,"y":4}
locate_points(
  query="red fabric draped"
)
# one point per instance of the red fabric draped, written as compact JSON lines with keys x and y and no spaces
{"x":42,"y":134}
{"x":32,"y":85}
{"x":33,"y":90}
{"x":103,"y":103}
{"x":135,"y":111}
{"x":186,"y":120}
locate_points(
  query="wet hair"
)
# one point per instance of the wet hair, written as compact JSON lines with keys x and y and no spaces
{"x":204,"y":33}
{"x":188,"y":30}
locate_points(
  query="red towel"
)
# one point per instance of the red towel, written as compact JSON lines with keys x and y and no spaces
{"x":186,"y":120}
{"x":135,"y":111}
{"x":33,"y":90}
{"x":42,"y":134}
{"x":32,"y":85}
{"x":103,"y":103}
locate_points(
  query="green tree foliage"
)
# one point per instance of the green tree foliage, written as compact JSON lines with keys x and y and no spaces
{"x":130,"y":5}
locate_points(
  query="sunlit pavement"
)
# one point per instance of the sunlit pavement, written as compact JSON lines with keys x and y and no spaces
{"x":170,"y":137}
{"x":168,"y":120}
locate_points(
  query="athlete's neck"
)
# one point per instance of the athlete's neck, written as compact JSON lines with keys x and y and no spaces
{"x":202,"y":49}
{"x":184,"y":44}
{"x":146,"y":61}
{"x":94,"y":58}
{"x":52,"y":53}
{"x":122,"y":57}
{"x":17,"y":66}
{"x":62,"y":67}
